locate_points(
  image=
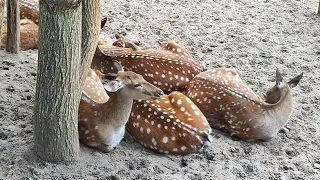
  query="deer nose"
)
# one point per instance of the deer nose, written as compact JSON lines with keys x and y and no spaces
{"x":160,"y":93}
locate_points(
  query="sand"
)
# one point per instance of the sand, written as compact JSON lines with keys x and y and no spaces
{"x":254,"y":37}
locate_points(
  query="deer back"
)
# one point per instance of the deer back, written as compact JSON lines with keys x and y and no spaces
{"x":170,"y":68}
{"x":171,"y":124}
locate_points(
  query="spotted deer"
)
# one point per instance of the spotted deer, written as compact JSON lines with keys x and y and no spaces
{"x":172,"y":124}
{"x":103,"y":125}
{"x":170,"y":68}
{"x":28,"y":35}
{"x":230,"y":104}
{"x":29,"y":9}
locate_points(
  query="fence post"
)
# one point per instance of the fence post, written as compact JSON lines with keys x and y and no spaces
{"x":13,"y":24}
{"x":319,"y":7}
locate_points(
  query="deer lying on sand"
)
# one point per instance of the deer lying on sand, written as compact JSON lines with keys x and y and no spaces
{"x":29,"y":38}
{"x":170,"y":68}
{"x":230,"y":104}
{"x":103,"y":125}
{"x":172,"y":124}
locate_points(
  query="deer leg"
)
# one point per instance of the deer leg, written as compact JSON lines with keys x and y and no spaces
{"x":128,"y":138}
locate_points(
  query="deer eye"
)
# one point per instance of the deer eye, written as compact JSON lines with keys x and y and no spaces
{"x":137,"y":85}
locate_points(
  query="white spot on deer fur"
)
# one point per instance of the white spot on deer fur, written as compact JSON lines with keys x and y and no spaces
{"x":183,"y":148}
{"x":152,"y":122}
{"x":86,"y":132}
{"x":159,"y":125}
{"x":174,"y":149}
{"x":165,"y":139}
{"x":154,"y":142}
{"x":182,"y":109}
{"x":248,"y":129}
{"x":138,"y":116}
{"x":197,"y":113}
{"x":141,"y":129}
{"x":179,"y":102}
{"x":96,"y":127}
{"x":172,"y":100}
{"x":148,"y":130}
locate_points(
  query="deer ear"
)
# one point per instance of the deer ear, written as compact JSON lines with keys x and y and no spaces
{"x":293,"y":82}
{"x":114,"y":85}
{"x":117,"y":65}
{"x":279,"y":79}
{"x":103,"y":22}
{"x":93,"y":89}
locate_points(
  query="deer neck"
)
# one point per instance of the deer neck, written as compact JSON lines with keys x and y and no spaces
{"x":117,"y":109}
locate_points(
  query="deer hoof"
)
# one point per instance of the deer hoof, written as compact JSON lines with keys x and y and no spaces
{"x":106,"y":148}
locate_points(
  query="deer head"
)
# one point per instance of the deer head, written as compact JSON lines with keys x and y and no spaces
{"x":170,"y":68}
{"x":132,"y":85}
{"x":103,"y":125}
{"x":274,"y":94}
{"x":230,"y":104}
{"x":172,"y":124}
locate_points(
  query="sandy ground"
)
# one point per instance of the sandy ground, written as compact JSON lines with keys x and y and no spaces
{"x":254,"y":37}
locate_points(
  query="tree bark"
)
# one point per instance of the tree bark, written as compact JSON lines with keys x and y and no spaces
{"x":13,"y":32}
{"x":58,"y":88}
{"x":90,"y":35}
{"x":2,"y":2}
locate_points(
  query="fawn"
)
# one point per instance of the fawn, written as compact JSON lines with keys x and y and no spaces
{"x":103,"y":125}
{"x":230,"y":104}
{"x":172,"y":124}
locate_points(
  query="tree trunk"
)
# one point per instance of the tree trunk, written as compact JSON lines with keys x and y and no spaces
{"x":13,"y":32}
{"x":58,"y":88}
{"x":90,"y":34}
{"x":2,"y":2}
